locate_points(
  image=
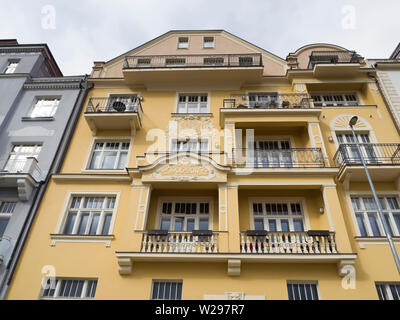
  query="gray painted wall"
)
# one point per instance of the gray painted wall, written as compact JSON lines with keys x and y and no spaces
{"x":18,"y":94}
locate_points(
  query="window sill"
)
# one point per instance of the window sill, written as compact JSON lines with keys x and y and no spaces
{"x":38,"y":119}
{"x":81,"y":239}
{"x":362,"y":241}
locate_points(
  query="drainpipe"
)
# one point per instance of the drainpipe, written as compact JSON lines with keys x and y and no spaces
{"x":54,"y":168}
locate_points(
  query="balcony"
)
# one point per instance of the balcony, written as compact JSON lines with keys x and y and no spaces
{"x":290,"y":158}
{"x":114,"y":113}
{"x":261,"y":107}
{"x":159,"y":241}
{"x":163,"y":69}
{"x":382,"y":159}
{"x":23,"y":174}
{"x":311,"y":242}
{"x":334,"y":63}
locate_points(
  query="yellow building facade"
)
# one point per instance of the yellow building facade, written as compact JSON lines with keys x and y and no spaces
{"x":204,"y":167}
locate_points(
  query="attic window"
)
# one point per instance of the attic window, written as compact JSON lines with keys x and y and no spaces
{"x":213,"y":61}
{"x":143,"y":62}
{"x":175,"y":62}
{"x":208,"y":42}
{"x":183,"y":43}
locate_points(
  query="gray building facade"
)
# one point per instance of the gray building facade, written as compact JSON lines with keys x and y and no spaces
{"x":38,"y":112}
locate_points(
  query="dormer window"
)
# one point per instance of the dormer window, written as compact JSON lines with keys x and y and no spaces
{"x":11,"y":66}
{"x":208,"y":42}
{"x":183,"y":43}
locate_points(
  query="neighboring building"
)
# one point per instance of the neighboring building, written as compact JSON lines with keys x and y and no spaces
{"x":38,"y":108}
{"x":388,"y":76}
{"x":205,"y":167}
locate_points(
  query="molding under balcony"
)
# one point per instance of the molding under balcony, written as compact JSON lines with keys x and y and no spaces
{"x":234,"y":261}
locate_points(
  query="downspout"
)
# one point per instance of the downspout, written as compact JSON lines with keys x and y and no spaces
{"x":54,"y":168}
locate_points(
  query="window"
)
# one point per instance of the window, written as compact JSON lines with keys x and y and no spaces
{"x":122,"y":104}
{"x":89,"y":216}
{"x":69,"y":289}
{"x":245,"y":61}
{"x":19,"y":155}
{"x":388,"y":291}
{"x":193,"y":103}
{"x":109,"y":155}
{"x":303,"y":291}
{"x":333,"y":100}
{"x":272,"y":153}
{"x":278,"y":216}
{"x":185,"y":215}
{"x":166,"y":290}
{"x":368,"y":220}
{"x":11,"y":66}
{"x":144,"y":62}
{"x":191,"y":146}
{"x":349,"y":151}
{"x":213,"y":61}
{"x":183,"y":43}
{"x":175,"y":62}
{"x":6,"y":210}
{"x":45,"y":107}
{"x":263,"y":100}
{"x":208,"y":42}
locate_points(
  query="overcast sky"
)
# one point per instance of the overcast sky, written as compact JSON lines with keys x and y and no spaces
{"x":80,"y":32}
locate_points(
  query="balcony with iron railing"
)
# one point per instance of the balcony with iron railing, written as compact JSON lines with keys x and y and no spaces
{"x":158,"y":69}
{"x":382,"y":159}
{"x":22,"y":174}
{"x":289,"y":158}
{"x":114,"y":113}
{"x":267,"y":106}
{"x":334,"y":63}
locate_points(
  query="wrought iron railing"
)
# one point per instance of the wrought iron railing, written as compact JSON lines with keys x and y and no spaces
{"x":157,"y":241}
{"x":328,"y":57}
{"x":195,"y":61}
{"x":289,"y":158}
{"x":115,"y":105}
{"x":269,"y":101}
{"x":288,"y":242}
{"x":372,"y":153}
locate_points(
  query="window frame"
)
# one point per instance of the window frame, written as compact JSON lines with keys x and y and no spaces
{"x":166,"y":281}
{"x":204,"y":42}
{"x":59,"y":231}
{"x":58,"y":282}
{"x":38,"y":147}
{"x":179,"y":43}
{"x":288,"y":201}
{"x":367,"y":224}
{"x":9,"y":63}
{"x":198,"y":140}
{"x":388,"y":292}
{"x":105,"y":139}
{"x":199,"y":102}
{"x":54,"y":108}
{"x":333,"y":103}
{"x":6,"y":215}
{"x":196,"y":216}
{"x":302,"y":282}
{"x":104,"y":150}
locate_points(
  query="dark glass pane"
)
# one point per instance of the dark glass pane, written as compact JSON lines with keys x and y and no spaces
{"x":94,"y":225}
{"x":3,"y":225}
{"x":361,"y":225}
{"x":83,"y":223}
{"x":155,"y":290}
{"x":69,"y":225}
{"x":106,"y":225}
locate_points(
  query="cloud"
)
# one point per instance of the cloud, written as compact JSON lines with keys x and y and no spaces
{"x":98,"y":30}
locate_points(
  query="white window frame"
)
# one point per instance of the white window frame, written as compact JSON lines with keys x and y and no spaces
{"x":181,"y":42}
{"x":386,"y":288}
{"x":204,"y":42}
{"x":166,"y":281}
{"x":86,"y":194}
{"x":286,"y":200}
{"x":364,"y":212}
{"x":22,"y":156}
{"x":294,"y":282}
{"x":12,"y":65}
{"x":39,"y":103}
{"x":104,"y":149}
{"x":97,"y":139}
{"x":6,"y":214}
{"x":55,"y":284}
{"x":187,"y":95}
{"x":200,"y":142}
{"x":333,"y":103}
{"x":196,"y":216}
{"x":279,"y":139}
